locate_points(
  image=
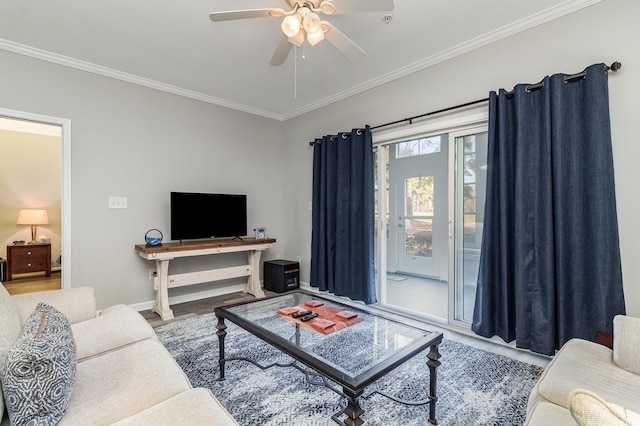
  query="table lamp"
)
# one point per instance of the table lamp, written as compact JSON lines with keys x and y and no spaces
{"x":33,"y":217}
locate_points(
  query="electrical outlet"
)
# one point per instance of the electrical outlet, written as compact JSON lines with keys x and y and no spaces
{"x":117,"y":202}
{"x":152,"y":273}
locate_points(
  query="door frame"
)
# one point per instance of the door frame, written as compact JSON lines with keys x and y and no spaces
{"x":65,"y":124}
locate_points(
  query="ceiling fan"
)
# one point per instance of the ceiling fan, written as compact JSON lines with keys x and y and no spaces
{"x":303,"y":18}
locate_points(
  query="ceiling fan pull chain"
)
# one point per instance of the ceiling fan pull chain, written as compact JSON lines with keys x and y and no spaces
{"x":295,"y":72}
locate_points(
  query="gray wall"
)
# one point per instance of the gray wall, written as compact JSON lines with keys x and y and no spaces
{"x":604,"y":32}
{"x":132,"y":141}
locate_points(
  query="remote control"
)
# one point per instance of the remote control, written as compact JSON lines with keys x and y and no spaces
{"x":308,"y":317}
{"x":301,"y":313}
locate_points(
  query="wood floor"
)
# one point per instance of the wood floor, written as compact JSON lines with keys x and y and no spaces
{"x":33,"y":283}
{"x":199,"y":307}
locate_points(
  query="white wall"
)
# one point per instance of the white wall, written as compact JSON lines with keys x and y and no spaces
{"x":140,"y":143}
{"x":604,"y":32}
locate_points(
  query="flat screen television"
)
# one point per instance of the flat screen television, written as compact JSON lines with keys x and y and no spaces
{"x":198,"y":216}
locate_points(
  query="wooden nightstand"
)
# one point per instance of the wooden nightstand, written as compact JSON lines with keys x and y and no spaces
{"x":26,"y":258}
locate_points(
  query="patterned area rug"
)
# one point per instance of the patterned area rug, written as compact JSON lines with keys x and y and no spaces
{"x":475,"y":387}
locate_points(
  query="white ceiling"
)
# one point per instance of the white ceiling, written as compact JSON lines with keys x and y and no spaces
{"x":173,"y":46}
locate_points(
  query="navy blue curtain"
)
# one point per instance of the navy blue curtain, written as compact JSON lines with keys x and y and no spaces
{"x":550,"y":262}
{"x":343,"y":215}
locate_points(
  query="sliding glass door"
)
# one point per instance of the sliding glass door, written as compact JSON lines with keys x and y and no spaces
{"x":430,"y":194}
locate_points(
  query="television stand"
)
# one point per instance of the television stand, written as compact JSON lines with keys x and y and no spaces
{"x":172,"y":250}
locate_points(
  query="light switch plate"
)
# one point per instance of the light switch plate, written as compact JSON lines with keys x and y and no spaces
{"x":117,"y":202}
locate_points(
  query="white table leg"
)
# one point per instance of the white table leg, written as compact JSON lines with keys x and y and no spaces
{"x":161,"y":307}
{"x":253,"y":284}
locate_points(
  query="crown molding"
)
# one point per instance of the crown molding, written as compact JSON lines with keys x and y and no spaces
{"x":460,"y":49}
{"x":129,"y":78}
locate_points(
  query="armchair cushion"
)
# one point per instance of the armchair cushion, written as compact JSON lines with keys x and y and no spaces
{"x":38,"y":373}
{"x":626,"y":341}
{"x":588,"y":409}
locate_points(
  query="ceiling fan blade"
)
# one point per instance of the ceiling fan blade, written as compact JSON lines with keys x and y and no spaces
{"x":244,"y":14}
{"x":281,"y":53}
{"x":342,"y":42}
{"x":355,"y":6}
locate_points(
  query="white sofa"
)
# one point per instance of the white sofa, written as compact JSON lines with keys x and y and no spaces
{"x":123,"y":375}
{"x":589,"y":384}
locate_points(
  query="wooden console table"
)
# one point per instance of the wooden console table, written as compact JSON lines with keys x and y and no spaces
{"x":169,"y":251}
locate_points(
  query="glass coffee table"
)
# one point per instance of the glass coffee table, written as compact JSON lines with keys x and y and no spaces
{"x":354,"y":352}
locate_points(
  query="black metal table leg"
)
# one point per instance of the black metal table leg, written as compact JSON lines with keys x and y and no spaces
{"x":433,"y":364}
{"x":222,"y":332}
{"x":353,"y":409}
{"x":297,"y":335}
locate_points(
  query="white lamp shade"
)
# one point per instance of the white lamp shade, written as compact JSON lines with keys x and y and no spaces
{"x":33,"y":217}
{"x":315,"y":38}
{"x":311,"y":23}
{"x":291,"y":26}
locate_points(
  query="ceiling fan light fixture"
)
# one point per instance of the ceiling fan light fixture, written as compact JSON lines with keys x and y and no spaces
{"x":311,"y":22}
{"x":291,"y":26}
{"x":315,"y":38}
{"x":298,"y":39}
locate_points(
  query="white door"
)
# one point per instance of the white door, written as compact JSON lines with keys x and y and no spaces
{"x":418,"y":181}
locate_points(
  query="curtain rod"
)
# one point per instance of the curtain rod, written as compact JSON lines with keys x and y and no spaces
{"x":614,"y":67}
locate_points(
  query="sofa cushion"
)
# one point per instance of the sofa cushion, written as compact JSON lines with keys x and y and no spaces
{"x":121,"y":383}
{"x":626,"y":341}
{"x":38,"y":373}
{"x":117,"y":326}
{"x":588,"y":409}
{"x":547,"y":414}
{"x":77,"y":304}
{"x":9,"y":330}
{"x":193,"y":408}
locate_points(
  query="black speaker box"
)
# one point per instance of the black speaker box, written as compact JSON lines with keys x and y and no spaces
{"x":281,"y":275}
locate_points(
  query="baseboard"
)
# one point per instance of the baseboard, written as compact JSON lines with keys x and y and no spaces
{"x":143,"y":306}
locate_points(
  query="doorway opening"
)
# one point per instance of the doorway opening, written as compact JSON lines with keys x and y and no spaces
{"x":39,"y":147}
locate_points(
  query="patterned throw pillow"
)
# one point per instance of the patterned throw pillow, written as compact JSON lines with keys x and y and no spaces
{"x":38,"y":373}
